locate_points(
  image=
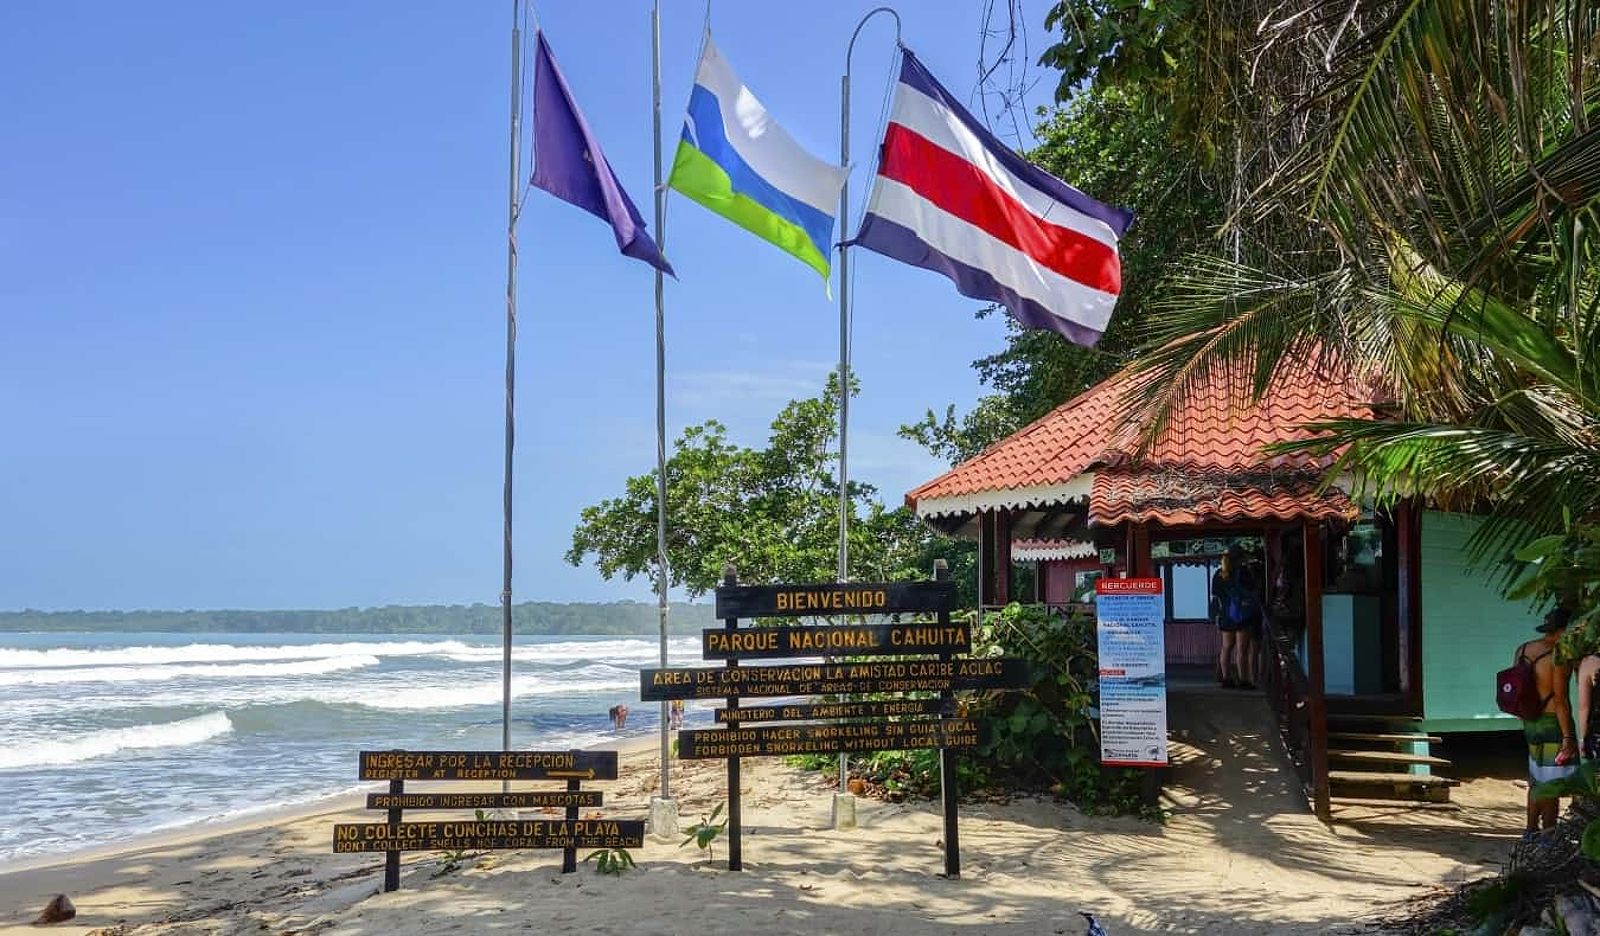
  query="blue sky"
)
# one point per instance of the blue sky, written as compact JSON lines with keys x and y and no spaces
{"x":251,"y":284}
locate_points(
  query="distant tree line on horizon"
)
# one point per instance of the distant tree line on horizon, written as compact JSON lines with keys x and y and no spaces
{"x":532,"y":617}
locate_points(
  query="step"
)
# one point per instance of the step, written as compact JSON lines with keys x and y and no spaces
{"x":1364,"y":803}
{"x":1397,"y":737}
{"x":1363,"y":778}
{"x":1395,"y":758}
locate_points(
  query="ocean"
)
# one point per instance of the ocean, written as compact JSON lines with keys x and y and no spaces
{"x":105,"y":737}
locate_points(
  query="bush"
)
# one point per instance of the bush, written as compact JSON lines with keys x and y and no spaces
{"x":1041,"y":738}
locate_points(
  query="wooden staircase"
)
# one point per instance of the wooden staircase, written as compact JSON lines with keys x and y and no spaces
{"x":1378,"y":760}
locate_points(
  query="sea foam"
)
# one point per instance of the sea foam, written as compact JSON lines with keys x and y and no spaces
{"x":108,"y":741}
{"x":163,"y":672}
{"x":224,"y":653}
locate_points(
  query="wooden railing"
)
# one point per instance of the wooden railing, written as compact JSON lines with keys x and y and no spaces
{"x":1289,"y":693}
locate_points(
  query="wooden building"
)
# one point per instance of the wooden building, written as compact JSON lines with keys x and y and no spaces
{"x":1380,"y":634}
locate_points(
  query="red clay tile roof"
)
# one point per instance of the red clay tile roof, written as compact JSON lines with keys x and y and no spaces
{"x":1216,"y":429}
{"x":1175,"y":496}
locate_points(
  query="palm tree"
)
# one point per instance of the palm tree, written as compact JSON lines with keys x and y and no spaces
{"x":1434,"y":232}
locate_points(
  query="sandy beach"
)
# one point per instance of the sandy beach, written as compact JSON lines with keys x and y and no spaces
{"x":1240,"y":854}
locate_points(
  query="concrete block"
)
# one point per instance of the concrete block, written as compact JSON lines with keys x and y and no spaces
{"x":663,"y":817}
{"x":844,"y":811}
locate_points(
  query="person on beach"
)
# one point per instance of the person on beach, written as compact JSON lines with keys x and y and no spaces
{"x":619,"y":717}
{"x":675,"y":714}
{"x":1236,"y":610}
{"x":1587,"y":712}
{"x":1552,"y":743}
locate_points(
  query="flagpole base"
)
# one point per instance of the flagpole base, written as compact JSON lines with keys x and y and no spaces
{"x":844,"y":811}
{"x":663,"y":817}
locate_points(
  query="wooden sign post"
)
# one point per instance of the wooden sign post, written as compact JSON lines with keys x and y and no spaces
{"x":395,"y":836}
{"x":853,"y":727}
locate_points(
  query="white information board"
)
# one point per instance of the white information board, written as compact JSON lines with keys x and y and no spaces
{"x":1130,"y":617}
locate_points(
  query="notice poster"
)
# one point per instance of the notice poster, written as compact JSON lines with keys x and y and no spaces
{"x":1131,"y":617}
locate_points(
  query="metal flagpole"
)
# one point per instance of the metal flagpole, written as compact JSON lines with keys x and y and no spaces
{"x":661,"y":388}
{"x":844,"y":323}
{"x":511,"y":370}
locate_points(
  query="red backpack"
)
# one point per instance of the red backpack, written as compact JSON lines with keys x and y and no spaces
{"x":1517,"y":688}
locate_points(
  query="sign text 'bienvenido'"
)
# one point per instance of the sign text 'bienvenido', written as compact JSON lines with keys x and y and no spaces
{"x":757,"y":601}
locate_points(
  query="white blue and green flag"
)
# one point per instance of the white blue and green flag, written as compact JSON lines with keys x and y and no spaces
{"x":736,"y":161}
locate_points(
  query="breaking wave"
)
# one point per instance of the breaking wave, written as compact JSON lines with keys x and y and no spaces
{"x":222,"y":653}
{"x":108,"y":741}
{"x":161,"y":673}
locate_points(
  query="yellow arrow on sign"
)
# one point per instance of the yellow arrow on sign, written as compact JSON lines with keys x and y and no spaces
{"x":579,"y":774}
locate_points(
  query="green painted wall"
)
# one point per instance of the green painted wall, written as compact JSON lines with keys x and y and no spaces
{"x":1469,"y":631}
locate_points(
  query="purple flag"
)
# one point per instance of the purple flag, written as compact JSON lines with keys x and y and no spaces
{"x":568,"y":163}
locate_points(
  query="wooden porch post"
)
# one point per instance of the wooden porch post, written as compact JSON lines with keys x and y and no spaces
{"x":1139,"y":564}
{"x":1408,"y":539}
{"x":1002,"y":557}
{"x":986,"y":576}
{"x":1314,"y":672}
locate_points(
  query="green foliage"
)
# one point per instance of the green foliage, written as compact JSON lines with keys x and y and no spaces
{"x":1584,"y":783}
{"x":611,"y":861}
{"x":1426,"y":221}
{"x":531,"y":617}
{"x":772,"y":510}
{"x":812,"y":761}
{"x":1565,"y":570}
{"x":1046,"y":736}
{"x":704,"y":833}
{"x":1040,"y":738}
{"x":1497,"y":899}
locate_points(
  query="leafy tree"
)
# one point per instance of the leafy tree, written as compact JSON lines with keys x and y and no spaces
{"x":1449,"y":203}
{"x":772,"y":511}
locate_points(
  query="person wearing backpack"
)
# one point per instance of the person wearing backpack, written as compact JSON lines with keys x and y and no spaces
{"x":1535,"y":690}
{"x":1236,"y":609}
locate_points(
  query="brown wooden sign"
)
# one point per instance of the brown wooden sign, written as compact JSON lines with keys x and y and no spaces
{"x":525,"y":800}
{"x":812,"y":711}
{"x":467,"y":836}
{"x":850,"y":737}
{"x":757,"y":643}
{"x":731,"y":682}
{"x":488,"y":765}
{"x":822,"y":600}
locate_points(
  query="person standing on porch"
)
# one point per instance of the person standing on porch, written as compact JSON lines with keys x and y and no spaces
{"x":1236,"y":609}
{"x":1552,"y":743}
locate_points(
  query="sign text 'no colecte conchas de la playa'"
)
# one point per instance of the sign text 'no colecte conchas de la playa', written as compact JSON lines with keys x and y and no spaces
{"x":924,"y":660}
{"x":477,"y":834}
